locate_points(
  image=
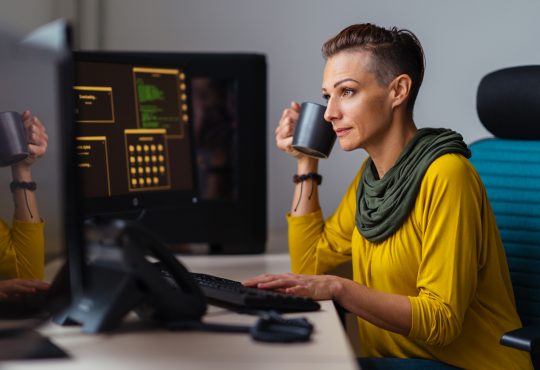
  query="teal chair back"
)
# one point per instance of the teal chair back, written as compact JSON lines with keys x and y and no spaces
{"x":508,"y":105}
{"x":510,"y":171}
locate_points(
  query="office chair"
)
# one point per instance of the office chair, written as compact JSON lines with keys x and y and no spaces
{"x":508,"y":105}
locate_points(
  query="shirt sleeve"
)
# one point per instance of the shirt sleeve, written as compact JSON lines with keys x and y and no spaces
{"x":448,"y":210}
{"x":22,"y":250}
{"x":316,"y":246}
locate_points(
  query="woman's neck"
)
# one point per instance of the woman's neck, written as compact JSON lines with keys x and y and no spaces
{"x":385,"y":154}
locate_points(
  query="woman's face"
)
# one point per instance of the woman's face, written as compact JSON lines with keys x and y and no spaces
{"x":359,"y":108}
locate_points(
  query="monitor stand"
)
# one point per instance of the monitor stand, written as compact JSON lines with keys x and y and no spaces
{"x":23,"y":344}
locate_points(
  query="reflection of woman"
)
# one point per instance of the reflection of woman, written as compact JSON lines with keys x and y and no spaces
{"x":214,"y":137}
{"x":430,"y":278}
{"x":22,"y":246}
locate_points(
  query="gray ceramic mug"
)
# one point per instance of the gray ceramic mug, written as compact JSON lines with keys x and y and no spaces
{"x":313,"y":136}
{"x":13,"y":143}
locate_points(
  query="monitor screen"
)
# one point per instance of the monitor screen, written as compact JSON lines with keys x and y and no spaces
{"x":180,"y":136}
{"x":133,"y":142}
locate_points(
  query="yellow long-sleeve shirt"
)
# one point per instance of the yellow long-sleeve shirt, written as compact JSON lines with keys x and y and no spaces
{"x":447,"y":257}
{"x":22,"y":250}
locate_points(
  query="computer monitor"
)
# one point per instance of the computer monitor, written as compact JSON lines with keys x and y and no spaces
{"x":178,"y":141}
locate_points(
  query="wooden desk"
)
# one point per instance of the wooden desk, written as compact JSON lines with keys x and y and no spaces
{"x":141,"y":346}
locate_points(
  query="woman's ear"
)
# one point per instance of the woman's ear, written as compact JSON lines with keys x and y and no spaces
{"x":400,"y":89}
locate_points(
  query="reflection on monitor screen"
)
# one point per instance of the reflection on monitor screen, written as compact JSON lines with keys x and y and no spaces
{"x":216,"y":136}
{"x":36,"y":76}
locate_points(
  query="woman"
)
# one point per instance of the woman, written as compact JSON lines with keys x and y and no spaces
{"x":430,"y":278}
{"x":22,"y":246}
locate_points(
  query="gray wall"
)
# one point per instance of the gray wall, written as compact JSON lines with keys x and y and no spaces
{"x":463,"y":40}
{"x":24,"y":15}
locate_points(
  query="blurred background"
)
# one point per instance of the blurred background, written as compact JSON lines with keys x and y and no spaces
{"x":462,"y":40}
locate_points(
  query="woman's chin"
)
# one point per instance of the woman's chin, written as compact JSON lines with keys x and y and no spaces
{"x":347,"y":146}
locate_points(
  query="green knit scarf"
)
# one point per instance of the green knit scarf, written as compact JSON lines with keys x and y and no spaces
{"x":383,"y":204}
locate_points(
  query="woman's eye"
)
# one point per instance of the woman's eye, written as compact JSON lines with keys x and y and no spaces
{"x":326,"y":97}
{"x":347,"y":92}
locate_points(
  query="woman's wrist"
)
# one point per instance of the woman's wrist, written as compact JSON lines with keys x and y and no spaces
{"x":21,"y":172}
{"x":338,"y":288}
{"x":307,"y":164}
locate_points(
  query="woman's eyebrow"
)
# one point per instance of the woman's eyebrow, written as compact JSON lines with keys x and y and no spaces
{"x":342,"y":81}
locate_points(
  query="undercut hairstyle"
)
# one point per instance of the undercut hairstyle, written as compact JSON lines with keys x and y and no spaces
{"x":393,"y":52}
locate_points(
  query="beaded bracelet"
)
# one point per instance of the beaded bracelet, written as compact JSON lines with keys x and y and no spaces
{"x":311,"y":175}
{"x":299,"y":179}
{"x":22,"y":185}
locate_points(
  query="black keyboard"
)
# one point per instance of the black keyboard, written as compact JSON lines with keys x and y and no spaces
{"x":230,"y":293}
{"x":25,"y":306}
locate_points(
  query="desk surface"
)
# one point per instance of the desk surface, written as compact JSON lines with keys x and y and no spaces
{"x":139,"y":346}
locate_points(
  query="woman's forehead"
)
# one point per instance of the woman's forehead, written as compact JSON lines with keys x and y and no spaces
{"x":354,"y":64}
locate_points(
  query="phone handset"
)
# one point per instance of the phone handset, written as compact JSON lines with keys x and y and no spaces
{"x":172,"y":292}
{"x":120,"y":275}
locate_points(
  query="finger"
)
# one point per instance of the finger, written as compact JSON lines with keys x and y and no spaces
{"x":278,"y":283}
{"x":37,"y":122}
{"x":250,"y":282}
{"x":37,"y":284}
{"x":298,"y":290}
{"x":28,"y":120}
{"x":36,"y":131}
{"x":26,"y":114}
{"x":283,"y":134}
{"x":286,"y":130}
{"x":34,"y":128}
{"x":295,"y":106}
{"x":284,"y":113}
{"x":35,"y":151}
{"x":289,"y":126}
{"x":289,"y":113}
{"x":19,"y":289}
{"x":262,"y":279}
{"x":253,"y":281}
{"x":286,"y":144}
{"x":31,"y":132}
{"x":259,"y":279}
{"x":37,"y":142}
{"x":281,"y":290}
{"x":292,"y":114}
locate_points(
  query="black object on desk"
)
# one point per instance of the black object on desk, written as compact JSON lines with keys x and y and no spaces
{"x":22,"y":344}
{"x":233,"y":294}
{"x":270,"y":327}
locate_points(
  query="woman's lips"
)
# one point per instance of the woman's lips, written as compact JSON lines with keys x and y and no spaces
{"x":342,"y":131}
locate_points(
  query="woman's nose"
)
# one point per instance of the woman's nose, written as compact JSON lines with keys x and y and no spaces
{"x":332,"y":111}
